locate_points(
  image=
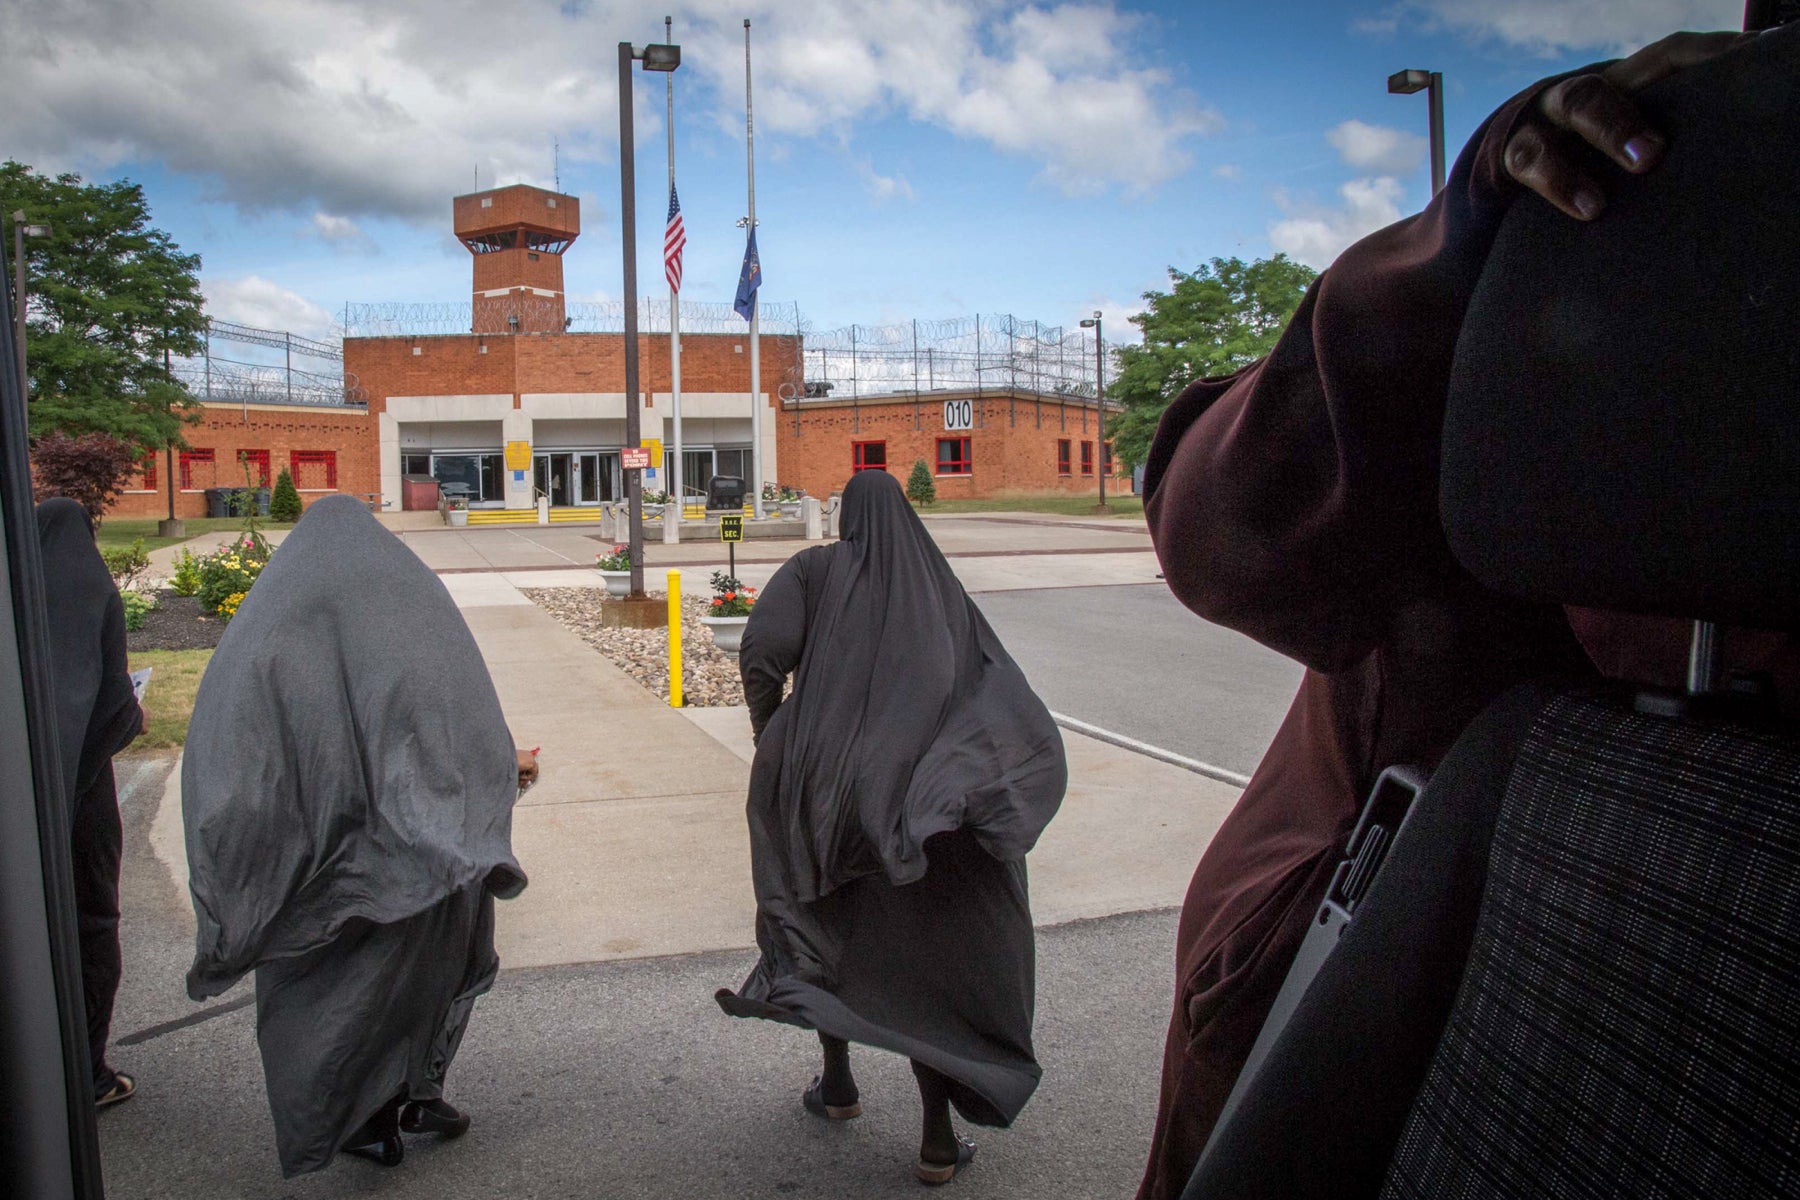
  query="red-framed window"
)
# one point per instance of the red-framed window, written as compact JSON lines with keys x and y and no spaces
{"x":259,"y":465}
{"x":953,"y":456}
{"x":1106,"y":461}
{"x":149,"y":467}
{"x":1062,"y":456}
{"x":315,"y":470}
{"x":1087,"y":458}
{"x":868,"y":456}
{"x":196,"y":469}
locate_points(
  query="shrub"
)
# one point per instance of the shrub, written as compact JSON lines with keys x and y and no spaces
{"x":919,"y":487}
{"x":284,"y":503}
{"x":186,"y":579}
{"x":231,"y":572}
{"x":137,"y":606}
{"x":126,"y":564}
{"x":91,"y":469}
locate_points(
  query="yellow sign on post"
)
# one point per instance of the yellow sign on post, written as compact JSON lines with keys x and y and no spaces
{"x":731,"y":527}
{"x":518,"y":456}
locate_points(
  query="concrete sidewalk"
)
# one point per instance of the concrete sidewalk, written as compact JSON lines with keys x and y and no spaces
{"x":635,"y":840}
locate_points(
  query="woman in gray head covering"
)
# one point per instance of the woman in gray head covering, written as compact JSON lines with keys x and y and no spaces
{"x":97,"y":715}
{"x":347,"y":792}
{"x":894,"y":796}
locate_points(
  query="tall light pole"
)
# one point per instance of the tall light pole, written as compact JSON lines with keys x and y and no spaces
{"x":1093,"y":323}
{"x":661,"y":57}
{"x":21,"y":231}
{"x":1405,"y":83}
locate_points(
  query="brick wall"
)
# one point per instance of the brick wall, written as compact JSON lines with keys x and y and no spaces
{"x":1013,"y":446}
{"x":456,"y":365}
{"x":277,"y":430}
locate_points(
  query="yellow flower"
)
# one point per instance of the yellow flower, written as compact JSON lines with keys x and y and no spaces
{"x":229,"y":605}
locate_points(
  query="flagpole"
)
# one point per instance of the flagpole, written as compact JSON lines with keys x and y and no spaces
{"x":678,"y":486}
{"x":756,"y":406}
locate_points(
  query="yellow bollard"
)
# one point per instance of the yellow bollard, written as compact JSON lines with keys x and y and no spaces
{"x":674,"y":639}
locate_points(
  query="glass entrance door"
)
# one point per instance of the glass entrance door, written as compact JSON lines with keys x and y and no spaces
{"x":597,"y":478}
{"x":554,"y":476}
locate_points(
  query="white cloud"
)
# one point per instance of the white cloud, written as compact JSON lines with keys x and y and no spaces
{"x":341,"y":231}
{"x":1231,"y":171}
{"x":1315,"y":235}
{"x":1378,"y":149}
{"x":358,"y":110}
{"x":884,"y":187}
{"x":253,"y":300}
{"x":1057,"y":84}
{"x":1563,"y":26}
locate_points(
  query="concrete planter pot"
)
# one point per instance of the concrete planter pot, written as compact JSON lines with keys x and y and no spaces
{"x":456,"y":516}
{"x":789,"y":509}
{"x":727,"y":632}
{"x":618,"y":583}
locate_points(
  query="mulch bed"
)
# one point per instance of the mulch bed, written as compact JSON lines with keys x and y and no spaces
{"x":176,"y":623}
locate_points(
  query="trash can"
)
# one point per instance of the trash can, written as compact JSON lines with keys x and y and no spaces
{"x":217,"y":502}
{"x":418,"y":493}
{"x":725,"y":493}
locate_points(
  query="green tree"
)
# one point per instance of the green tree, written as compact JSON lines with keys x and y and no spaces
{"x":919,"y":487}
{"x":1218,"y":319}
{"x":284,"y":501}
{"x":110,"y":297}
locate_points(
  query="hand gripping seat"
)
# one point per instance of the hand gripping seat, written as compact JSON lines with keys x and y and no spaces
{"x":1578,"y":973}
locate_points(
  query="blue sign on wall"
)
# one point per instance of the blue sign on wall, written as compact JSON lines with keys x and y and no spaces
{"x":518,"y":477}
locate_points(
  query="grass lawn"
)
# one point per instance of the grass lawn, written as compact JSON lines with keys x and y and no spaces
{"x":120,"y":532}
{"x":1070,"y":506}
{"x":169,"y":700}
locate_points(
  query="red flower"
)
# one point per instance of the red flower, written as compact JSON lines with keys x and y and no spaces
{"x":731,"y":595}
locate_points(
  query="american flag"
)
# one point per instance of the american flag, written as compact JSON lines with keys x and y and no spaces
{"x":674,"y":238}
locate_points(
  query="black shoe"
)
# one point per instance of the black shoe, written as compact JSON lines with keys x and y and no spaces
{"x":934,"y":1174}
{"x":378,"y":1138}
{"x":114,"y":1089}
{"x":383,"y":1149}
{"x":814,"y":1100}
{"x":434,"y":1116}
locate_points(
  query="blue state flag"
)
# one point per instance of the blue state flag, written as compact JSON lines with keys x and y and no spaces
{"x":749,"y":279}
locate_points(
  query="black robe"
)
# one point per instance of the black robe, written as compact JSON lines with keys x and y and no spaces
{"x":893,"y":798}
{"x":347,"y":792}
{"x":97,"y":716}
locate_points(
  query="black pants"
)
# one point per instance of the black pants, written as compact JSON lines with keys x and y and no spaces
{"x":97,"y":840}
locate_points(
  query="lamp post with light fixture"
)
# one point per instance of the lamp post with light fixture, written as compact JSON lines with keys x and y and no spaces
{"x":655,"y":57}
{"x":1405,"y":83}
{"x":1093,"y":323}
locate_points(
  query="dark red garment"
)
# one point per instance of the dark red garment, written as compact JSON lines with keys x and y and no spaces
{"x":1297,"y":502}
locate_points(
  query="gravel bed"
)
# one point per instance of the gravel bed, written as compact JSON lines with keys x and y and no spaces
{"x":709,"y":677}
{"x":176,"y":623}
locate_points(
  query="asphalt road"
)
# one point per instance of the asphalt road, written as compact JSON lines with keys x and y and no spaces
{"x":1132,"y":660}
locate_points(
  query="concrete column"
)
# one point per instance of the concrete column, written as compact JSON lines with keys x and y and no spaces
{"x":515,"y":426}
{"x":814,"y":517}
{"x":672,"y":523}
{"x":388,"y":444}
{"x":831,"y":525}
{"x":543,"y":510}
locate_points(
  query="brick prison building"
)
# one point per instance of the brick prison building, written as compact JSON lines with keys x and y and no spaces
{"x":514,"y":405}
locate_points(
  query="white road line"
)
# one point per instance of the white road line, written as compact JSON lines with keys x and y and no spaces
{"x":1149,"y":751}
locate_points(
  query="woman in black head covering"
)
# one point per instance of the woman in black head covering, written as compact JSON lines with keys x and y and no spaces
{"x":97,"y":715}
{"x":894,"y":796}
{"x":347,"y":792}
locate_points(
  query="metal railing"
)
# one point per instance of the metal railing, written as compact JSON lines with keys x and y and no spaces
{"x":539,"y":313}
{"x":985,"y":352}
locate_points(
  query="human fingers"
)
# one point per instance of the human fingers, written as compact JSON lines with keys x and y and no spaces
{"x":1547,"y":161}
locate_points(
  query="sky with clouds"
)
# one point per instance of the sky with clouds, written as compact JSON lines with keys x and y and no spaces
{"x":914,"y":158}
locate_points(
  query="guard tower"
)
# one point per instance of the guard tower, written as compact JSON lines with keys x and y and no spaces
{"x":517,"y":235}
